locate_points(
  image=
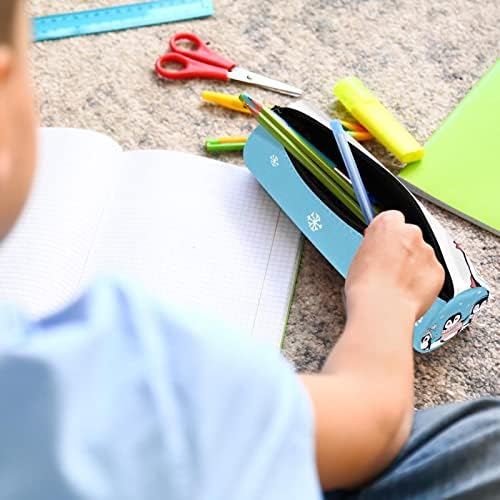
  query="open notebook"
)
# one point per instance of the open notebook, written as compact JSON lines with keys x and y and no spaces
{"x":195,"y":231}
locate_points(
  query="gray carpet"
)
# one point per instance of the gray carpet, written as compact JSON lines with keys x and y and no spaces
{"x":420,"y":57}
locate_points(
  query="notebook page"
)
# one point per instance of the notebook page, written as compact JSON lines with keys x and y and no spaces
{"x":42,"y":260}
{"x":203,"y":234}
{"x":279,"y":283}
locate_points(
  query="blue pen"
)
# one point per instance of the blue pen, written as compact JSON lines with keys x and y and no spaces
{"x":352,"y":169}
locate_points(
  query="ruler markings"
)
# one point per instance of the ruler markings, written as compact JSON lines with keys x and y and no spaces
{"x":118,"y":18}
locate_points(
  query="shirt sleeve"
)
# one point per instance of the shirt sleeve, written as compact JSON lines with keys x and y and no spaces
{"x":121,"y":397}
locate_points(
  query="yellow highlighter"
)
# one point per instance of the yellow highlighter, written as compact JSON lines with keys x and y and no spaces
{"x":370,"y":112}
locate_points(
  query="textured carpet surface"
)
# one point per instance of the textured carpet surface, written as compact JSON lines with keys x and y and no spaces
{"x":420,"y":58}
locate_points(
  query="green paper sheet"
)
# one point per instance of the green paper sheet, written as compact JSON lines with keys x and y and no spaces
{"x":461,"y":167}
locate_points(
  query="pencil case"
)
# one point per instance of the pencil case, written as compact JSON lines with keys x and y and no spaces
{"x":337,"y":234}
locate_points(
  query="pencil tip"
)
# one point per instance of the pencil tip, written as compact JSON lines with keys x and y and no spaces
{"x":250,"y":103}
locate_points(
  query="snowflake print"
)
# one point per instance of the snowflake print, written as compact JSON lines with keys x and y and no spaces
{"x":274,"y":160}
{"x":313,"y":219}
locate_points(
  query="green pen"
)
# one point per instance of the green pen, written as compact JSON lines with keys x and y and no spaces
{"x":225,"y":144}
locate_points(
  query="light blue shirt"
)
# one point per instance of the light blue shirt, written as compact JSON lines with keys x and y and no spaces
{"x":121,"y":397}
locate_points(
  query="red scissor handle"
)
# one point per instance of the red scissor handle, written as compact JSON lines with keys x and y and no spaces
{"x":190,"y":68}
{"x":200,"y":52}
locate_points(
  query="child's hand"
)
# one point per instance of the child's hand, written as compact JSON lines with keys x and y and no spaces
{"x":363,"y":400}
{"x":394,"y":264}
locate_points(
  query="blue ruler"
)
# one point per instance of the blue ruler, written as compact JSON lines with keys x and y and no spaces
{"x":120,"y":17}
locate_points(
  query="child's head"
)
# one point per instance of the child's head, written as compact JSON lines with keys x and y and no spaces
{"x":17,"y":113}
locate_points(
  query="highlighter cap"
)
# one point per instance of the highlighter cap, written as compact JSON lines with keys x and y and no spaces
{"x":351,"y":92}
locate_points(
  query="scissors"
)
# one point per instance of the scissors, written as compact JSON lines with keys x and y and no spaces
{"x":201,"y":62}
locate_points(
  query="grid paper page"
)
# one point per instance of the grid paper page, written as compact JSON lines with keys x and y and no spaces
{"x":42,"y":260}
{"x":279,"y":283}
{"x":203,"y":234}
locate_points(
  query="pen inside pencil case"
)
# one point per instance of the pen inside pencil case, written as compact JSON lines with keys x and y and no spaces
{"x":331,"y":201}
{"x":341,"y":173}
{"x":380,"y":183}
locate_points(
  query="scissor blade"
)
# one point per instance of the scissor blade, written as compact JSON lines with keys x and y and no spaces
{"x":245,"y":76}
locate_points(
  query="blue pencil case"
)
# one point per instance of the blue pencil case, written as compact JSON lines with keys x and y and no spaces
{"x":337,"y":234}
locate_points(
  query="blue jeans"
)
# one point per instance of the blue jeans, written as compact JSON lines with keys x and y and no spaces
{"x":453,"y":452}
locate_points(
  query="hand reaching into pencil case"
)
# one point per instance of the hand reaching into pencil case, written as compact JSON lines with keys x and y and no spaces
{"x":394,"y":264}
{"x":394,"y":277}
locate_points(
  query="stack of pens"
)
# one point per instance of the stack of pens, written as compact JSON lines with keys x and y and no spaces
{"x":321,"y":167}
{"x":228,"y":101}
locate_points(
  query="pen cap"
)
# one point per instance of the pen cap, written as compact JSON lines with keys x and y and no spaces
{"x":377,"y":119}
{"x":225,"y":100}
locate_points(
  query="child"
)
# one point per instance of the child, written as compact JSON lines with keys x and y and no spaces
{"x":119,"y":397}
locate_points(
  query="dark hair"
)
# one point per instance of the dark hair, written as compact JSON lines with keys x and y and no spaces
{"x":7,"y":18}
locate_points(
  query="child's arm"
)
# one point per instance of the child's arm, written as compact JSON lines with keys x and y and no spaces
{"x":363,"y":400}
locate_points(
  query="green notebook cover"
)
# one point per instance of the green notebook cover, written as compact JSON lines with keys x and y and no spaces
{"x":461,"y":167}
